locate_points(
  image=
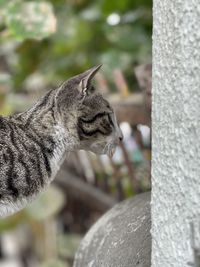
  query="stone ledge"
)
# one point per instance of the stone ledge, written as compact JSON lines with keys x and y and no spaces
{"x":120,"y":238}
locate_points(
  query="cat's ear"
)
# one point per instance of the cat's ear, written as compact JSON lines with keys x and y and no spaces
{"x":85,"y":83}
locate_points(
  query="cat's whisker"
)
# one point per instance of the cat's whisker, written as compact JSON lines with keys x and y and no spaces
{"x":106,"y":148}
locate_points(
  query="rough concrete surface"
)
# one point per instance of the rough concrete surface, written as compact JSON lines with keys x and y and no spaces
{"x":120,"y":238}
{"x":175,"y":132}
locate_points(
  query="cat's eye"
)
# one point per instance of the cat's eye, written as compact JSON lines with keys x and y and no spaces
{"x":110,"y":119}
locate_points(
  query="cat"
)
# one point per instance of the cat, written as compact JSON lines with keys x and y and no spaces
{"x":33,"y":144}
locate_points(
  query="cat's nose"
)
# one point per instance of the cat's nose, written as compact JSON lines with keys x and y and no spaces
{"x":120,"y":135}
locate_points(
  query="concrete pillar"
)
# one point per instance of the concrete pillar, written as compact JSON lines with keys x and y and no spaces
{"x":176,"y":133}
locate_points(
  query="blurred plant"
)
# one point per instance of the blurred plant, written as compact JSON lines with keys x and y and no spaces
{"x":68,"y":245}
{"x":59,"y":39}
{"x":27,"y":19}
{"x":46,"y":206}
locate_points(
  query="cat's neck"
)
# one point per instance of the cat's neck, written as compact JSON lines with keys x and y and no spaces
{"x":64,"y":144}
{"x":43,"y":123}
{"x":43,"y":112}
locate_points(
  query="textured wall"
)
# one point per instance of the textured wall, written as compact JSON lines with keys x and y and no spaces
{"x":176,"y":130}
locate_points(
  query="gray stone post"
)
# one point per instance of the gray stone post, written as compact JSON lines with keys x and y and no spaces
{"x":176,"y":133}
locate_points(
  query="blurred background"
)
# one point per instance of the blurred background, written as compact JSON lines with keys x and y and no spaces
{"x":43,"y":43}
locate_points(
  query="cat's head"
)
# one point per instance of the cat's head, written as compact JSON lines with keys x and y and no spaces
{"x":88,"y":116}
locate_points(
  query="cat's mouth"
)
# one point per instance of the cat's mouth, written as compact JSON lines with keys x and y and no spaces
{"x":104,"y":148}
{"x":110,"y":149}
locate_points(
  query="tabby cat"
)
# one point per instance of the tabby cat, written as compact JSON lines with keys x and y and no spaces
{"x":33,"y":144}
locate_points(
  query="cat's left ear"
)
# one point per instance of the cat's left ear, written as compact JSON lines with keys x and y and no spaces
{"x":85,"y":83}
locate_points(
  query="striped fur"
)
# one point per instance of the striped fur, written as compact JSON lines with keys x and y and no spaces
{"x":33,"y":144}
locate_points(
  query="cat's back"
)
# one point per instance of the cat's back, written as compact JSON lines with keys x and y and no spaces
{"x":22,"y":170}
{"x":4,"y":139}
{"x":9,"y":138}
{"x":3,"y":128}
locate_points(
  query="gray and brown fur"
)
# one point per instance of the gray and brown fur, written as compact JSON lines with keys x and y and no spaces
{"x":33,"y":144}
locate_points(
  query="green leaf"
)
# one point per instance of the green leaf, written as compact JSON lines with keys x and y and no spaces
{"x":11,"y":222}
{"x":30,"y":19}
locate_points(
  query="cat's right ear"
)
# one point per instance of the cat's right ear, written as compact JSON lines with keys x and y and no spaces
{"x":85,"y":83}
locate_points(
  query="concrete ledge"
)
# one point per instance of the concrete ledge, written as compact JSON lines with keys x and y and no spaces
{"x":120,"y":238}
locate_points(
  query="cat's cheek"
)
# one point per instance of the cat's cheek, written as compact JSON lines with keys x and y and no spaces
{"x":98,"y":148}
{"x":111,"y":152}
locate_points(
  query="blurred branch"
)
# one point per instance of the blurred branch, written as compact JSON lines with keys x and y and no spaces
{"x":131,"y":172}
{"x":84,"y":192}
{"x":118,"y":178}
{"x":131,"y":109}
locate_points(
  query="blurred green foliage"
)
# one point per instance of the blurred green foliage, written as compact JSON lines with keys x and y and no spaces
{"x":28,"y":19}
{"x":58,"y":39}
{"x":46,"y":206}
{"x":68,"y":244}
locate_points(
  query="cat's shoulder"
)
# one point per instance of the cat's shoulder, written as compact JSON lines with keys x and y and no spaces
{"x":3,"y":122}
{"x":4,"y":126}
